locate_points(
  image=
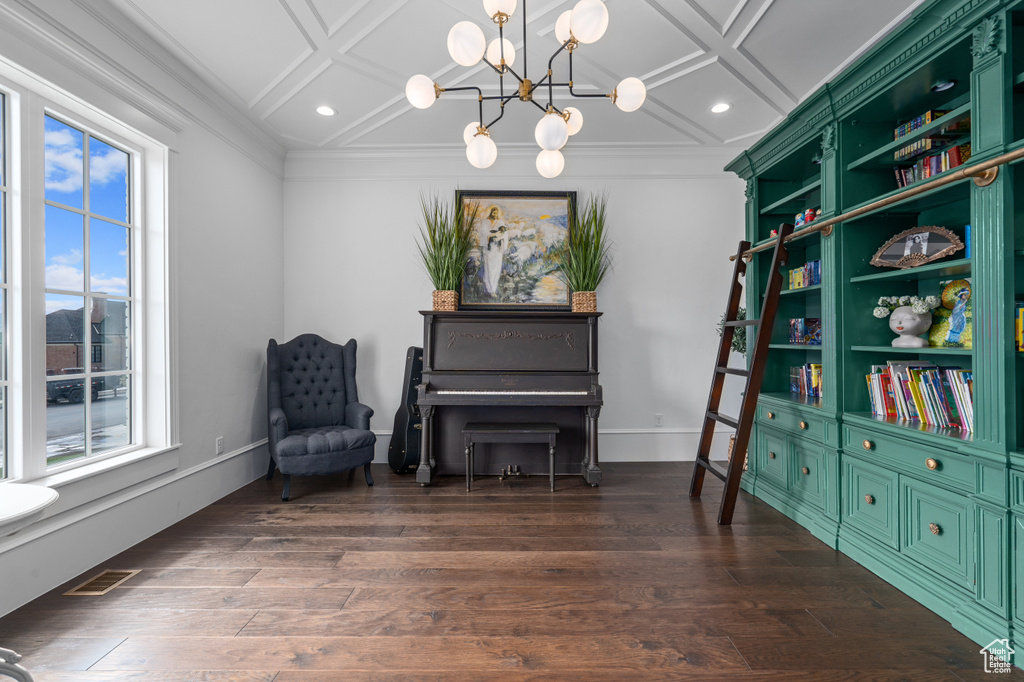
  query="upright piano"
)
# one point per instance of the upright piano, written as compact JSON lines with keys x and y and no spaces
{"x":509,"y":366}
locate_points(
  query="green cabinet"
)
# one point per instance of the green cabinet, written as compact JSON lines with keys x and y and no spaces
{"x":937,"y":511}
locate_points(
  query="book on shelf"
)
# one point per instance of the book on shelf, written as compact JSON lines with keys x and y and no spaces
{"x":807,"y":276}
{"x":1018,"y":325}
{"x":918,"y":122}
{"x":928,"y":166}
{"x":806,"y":380}
{"x":805,"y":331}
{"x":920,"y":391}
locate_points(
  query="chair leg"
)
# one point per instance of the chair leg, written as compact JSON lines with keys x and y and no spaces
{"x":287,"y":487}
{"x":270,"y":471}
{"x":366,"y":471}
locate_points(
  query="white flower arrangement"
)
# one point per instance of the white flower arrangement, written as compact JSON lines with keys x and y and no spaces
{"x":887,"y":304}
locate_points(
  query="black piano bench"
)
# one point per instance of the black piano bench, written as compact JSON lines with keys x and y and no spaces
{"x":508,"y":432}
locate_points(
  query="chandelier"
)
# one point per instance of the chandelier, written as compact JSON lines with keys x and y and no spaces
{"x":584,"y":24}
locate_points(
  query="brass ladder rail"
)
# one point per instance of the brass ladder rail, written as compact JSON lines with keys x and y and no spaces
{"x":983,"y":173}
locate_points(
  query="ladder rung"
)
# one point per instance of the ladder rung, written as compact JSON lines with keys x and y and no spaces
{"x":721,"y":419}
{"x":732,"y":370}
{"x":743,"y":323}
{"x":713,"y":468}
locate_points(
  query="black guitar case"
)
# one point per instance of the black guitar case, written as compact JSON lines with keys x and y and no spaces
{"x":404,"y":450}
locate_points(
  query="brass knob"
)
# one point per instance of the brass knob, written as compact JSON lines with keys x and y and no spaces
{"x":870,"y":499}
{"x":931,"y":464}
{"x":805,"y":470}
{"x":771,"y":455}
{"x":934,"y":528}
{"x":771,"y":415}
{"x":803,"y":425}
{"x":868,"y":445}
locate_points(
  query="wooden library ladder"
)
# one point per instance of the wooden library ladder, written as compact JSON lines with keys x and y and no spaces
{"x":731,"y":475}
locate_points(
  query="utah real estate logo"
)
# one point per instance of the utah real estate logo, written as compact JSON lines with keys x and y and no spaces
{"x":997,"y":656}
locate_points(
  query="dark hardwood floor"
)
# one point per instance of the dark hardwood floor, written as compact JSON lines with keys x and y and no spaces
{"x":631,"y":580}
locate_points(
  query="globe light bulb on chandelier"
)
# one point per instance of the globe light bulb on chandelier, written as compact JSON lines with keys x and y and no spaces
{"x":551,"y":132}
{"x":481,"y":150}
{"x":550,"y":163}
{"x":466,"y":43}
{"x":420,"y":92}
{"x":574,"y":120}
{"x":470,"y":130}
{"x":584,"y":24}
{"x":589,"y":21}
{"x":562,"y":32}
{"x":630,"y":94}
{"x":496,"y":7}
{"x":494,"y":52}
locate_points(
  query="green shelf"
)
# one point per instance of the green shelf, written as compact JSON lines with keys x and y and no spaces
{"x":795,"y":399}
{"x":930,"y":199}
{"x":883,"y":155}
{"x":947,"y":268}
{"x":804,"y":191}
{"x":793,"y":346}
{"x":900,"y":427}
{"x":801,"y":290}
{"x":912,"y":351}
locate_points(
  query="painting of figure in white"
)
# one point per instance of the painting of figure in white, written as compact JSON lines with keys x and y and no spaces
{"x":517,"y":238}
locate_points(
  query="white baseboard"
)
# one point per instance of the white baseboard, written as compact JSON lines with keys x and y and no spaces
{"x":627,"y":445}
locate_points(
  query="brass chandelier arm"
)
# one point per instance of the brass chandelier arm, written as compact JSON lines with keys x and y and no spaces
{"x":983,"y":173}
{"x":612,"y":95}
{"x":479,"y":96}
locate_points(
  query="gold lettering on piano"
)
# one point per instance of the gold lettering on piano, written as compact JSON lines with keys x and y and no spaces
{"x":512,"y":334}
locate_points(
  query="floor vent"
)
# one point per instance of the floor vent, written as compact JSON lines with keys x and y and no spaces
{"x":101,"y":584}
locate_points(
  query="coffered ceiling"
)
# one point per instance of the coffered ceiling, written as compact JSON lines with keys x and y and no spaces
{"x":277,"y":60}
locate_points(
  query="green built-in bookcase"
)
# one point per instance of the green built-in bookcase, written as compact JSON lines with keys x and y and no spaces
{"x":939,"y":513}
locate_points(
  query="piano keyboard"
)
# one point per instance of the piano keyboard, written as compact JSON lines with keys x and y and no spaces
{"x":496,"y":392}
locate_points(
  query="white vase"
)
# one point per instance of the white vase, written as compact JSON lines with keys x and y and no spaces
{"x":909,"y":325}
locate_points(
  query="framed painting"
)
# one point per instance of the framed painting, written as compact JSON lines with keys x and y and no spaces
{"x":517,"y":241}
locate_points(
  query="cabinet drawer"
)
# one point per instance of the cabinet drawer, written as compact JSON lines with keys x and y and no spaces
{"x":870,"y":502}
{"x":935,"y":527}
{"x":927,"y":463}
{"x":808,"y":426}
{"x":771,"y":457}
{"x":807,"y":472}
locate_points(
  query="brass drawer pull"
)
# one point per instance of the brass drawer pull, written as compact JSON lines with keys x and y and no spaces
{"x":931,"y":464}
{"x":934,"y":528}
{"x":771,"y":455}
{"x":870,"y":499}
{"x":806,"y":471}
{"x":771,"y":415}
{"x":868,"y":445}
{"x":803,"y":426}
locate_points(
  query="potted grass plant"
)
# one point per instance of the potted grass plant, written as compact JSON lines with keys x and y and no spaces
{"x":446,"y":238}
{"x":587,"y":256}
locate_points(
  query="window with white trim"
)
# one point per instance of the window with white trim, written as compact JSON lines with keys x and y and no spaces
{"x":83,"y":255}
{"x":88,"y":224}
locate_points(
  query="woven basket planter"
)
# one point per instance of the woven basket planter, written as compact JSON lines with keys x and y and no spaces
{"x":732,"y":443}
{"x":446,"y":300}
{"x":584,"y":301}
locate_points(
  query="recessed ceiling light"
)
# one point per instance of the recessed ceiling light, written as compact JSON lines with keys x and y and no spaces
{"x":942,"y":85}
{"x":720,"y":107}
{"x":325,"y":111}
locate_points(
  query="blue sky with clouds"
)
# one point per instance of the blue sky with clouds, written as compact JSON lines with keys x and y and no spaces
{"x":107,"y":195}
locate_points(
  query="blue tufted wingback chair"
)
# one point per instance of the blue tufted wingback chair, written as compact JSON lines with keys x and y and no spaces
{"x":317,"y":424}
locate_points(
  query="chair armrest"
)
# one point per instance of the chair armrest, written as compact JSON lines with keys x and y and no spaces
{"x":358,"y":415}
{"x":278,"y":427}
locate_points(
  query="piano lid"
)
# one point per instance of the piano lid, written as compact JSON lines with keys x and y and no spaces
{"x":510,"y":342}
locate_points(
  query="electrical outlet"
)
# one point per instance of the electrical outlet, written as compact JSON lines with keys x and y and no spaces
{"x":659,"y":419}
{"x":219,"y":445}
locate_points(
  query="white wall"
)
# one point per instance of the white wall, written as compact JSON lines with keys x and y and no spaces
{"x":226,"y":230}
{"x":352,"y":270}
